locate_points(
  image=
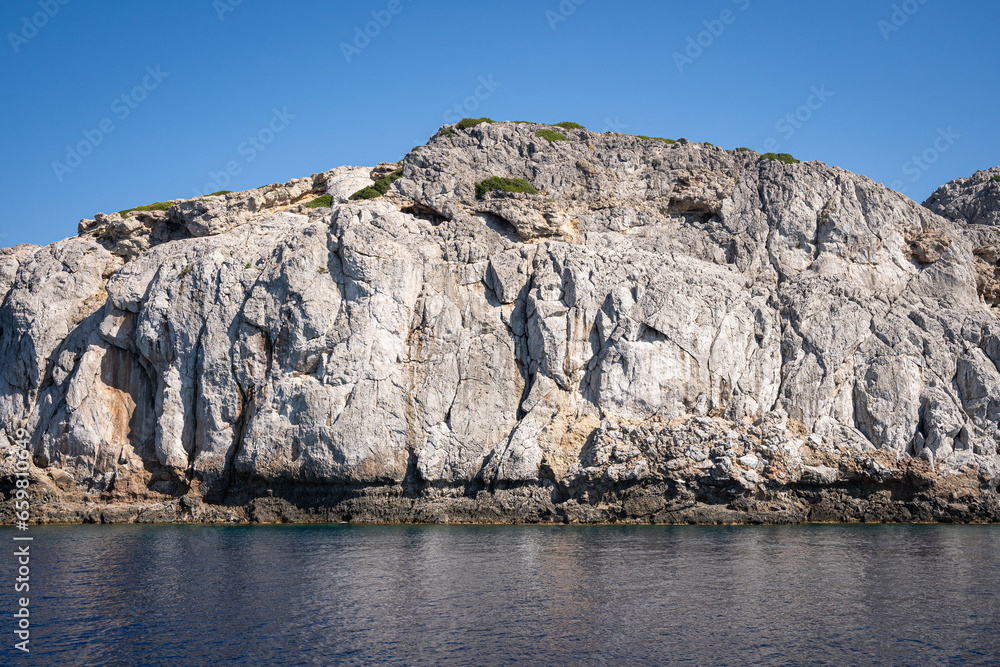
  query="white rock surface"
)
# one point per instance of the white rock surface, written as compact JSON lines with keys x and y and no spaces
{"x":428,"y":337}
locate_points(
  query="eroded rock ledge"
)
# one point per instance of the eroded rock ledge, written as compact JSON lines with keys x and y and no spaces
{"x":664,"y":333}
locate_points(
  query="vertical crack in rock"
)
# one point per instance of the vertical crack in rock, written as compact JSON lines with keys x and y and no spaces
{"x":194,"y":424}
{"x":247,"y":409}
{"x":411,"y":477}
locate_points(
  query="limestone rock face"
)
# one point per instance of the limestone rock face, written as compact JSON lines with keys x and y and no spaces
{"x":343,"y":182}
{"x":658,"y":314}
{"x":974,"y":200}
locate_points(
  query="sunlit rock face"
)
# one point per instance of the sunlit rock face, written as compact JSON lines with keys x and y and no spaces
{"x":656,"y":314}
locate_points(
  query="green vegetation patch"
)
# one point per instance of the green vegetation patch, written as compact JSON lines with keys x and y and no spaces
{"x":466,"y":123}
{"x":504,"y":185}
{"x":219,"y":192}
{"x":569,"y":125}
{"x":780,"y":157}
{"x":366,"y":193}
{"x":447,"y":131}
{"x":551,"y":135}
{"x":643,"y":136}
{"x":745,"y":149}
{"x":996,"y":178}
{"x":379,"y":188}
{"x":324,"y":201}
{"x":158,"y":206}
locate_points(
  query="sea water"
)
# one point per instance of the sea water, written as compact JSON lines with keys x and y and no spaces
{"x":509,"y":595}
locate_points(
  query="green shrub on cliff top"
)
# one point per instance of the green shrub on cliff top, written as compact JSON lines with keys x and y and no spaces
{"x":569,"y":125}
{"x":466,"y":123}
{"x":158,"y":206}
{"x":503,"y":184}
{"x":780,"y":157}
{"x":551,"y":135}
{"x":643,"y":136}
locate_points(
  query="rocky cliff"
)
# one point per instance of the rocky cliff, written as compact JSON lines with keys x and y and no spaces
{"x":665,"y":332}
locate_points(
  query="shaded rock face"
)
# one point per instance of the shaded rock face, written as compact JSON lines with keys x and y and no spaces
{"x":974,"y":200}
{"x":664,"y":332}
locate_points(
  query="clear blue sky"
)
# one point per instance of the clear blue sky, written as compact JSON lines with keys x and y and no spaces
{"x":888,"y":91}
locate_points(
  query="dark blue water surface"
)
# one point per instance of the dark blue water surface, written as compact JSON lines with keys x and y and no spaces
{"x":478,"y":595}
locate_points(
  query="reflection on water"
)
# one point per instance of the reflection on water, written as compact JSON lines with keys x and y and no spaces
{"x":338,"y":594}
